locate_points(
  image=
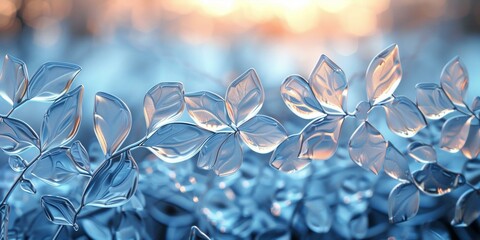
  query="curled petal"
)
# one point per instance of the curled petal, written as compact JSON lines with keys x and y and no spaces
{"x":383,"y":75}
{"x":244,"y":97}
{"x":454,"y":80}
{"x":262,"y":134}
{"x":329,"y":85}
{"x":320,"y":138}
{"x":367,"y":147}
{"x":299,"y":98}
{"x":207,"y":110}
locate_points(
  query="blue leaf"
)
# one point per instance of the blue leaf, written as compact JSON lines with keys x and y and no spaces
{"x":13,"y":80}
{"x":210,"y":151}
{"x":55,"y":167}
{"x":16,"y":136}
{"x":207,"y":110}
{"x":59,"y":210}
{"x":80,"y":157}
{"x":113,"y":183}
{"x":112,"y":121}
{"x":403,"y":202}
{"x":62,"y":120}
{"x":17,"y":163}
{"x":52,"y":80}
{"x":435,"y":180}
{"x":467,"y":209}
{"x":422,"y":153}
{"x":176,"y":142}
{"x":229,"y":156}
{"x":163,"y":103}
{"x":262,"y":134}
{"x":244,"y":97}
{"x":367,"y":147}
{"x":27,"y":186}
{"x":396,"y":165}
{"x":285,"y":157}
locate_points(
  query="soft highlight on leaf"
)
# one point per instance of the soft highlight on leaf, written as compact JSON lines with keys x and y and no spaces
{"x":299,"y":98}
{"x":59,"y":210}
{"x":13,"y":80}
{"x":403,"y":117}
{"x":207,"y":110}
{"x":285,"y":157}
{"x":455,"y":132}
{"x":367,"y":147}
{"x":403,"y":202}
{"x":16,"y":136}
{"x":320,"y":138}
{"x":52,"y":80}
{"x":229,"y":156}
{"x":262,"y":134}
{"x":454,"y":80}
{"x":432,"y":101}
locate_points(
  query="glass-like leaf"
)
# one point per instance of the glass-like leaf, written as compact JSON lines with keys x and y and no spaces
{"x":455,"y":133}
{"x":163,"y":103}
{"x":471,"y":148}
{"x":229,"y":156}
{"x":176,"y":142}
{"x":80,"y":157}
{"x":403,"y":117}
{"x":113,"y":183}
{"x":329,"y":84}
{"x":16,"y":136}
{"x":59,"y":210}
{"x":197,"y":234}
{"x":454,"y":80}
{"x":52,"y":80}
{"x":27,"y":186}
{"x":244,"y":97}
{"x":432,"y":101}
{"x":209,"y":153}
{"x":320,"y":138}
{"x":423,"y":153}
{"x":367,"y":147}
{"x":467,"y":209}
{"x":476,"y":106}
{"x":262,"y":134}
{"x":207,"y":110}
{"x":299,"y":98}
{"x":435,"y":180}
{"x":62,"y":120}
{"x":17,"y":163}
{"x":403,"y":202}
{"x":383,"y":75}
{"x":396,"y":165}
{"x":55,"y":167}
{"x":4,"y":219}
{"x":318,"y":216}
{"x":13,"y":80}
{"x":285,"y":157}
{"x":112,"y":121}
{"x":471,"y":171}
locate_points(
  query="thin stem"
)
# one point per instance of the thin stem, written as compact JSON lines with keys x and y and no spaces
{"x":15,"y":107}
{"x":57,"y":234}
{"x":10,"y":191}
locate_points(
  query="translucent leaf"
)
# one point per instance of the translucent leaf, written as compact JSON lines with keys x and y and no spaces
{"x":285,"y":157}
{"x":467,"y":209}
{"x":403,"y":202}
{"x":4,"y":219}
{"x":403,"y":117}
{"x":244,"y":97}
{"x":55,"y":167}
{"x":383,"y":75}
{"x":62,"y":120}
{"x":17,"y":163}
{"x":299,"y":98}
{"x":176,"y":142}
{"x":476,"y":106}
{"x":329,"y":85}
{"x":455,"y":133}
{"x":396,"y":165}
{"x":27,"y":186}
{"x":13,"y":80}
{"x":318,"y":216}
{"x":229,"y":157}
{"x":112,"y":121}
{"x":59,"y":210}
{"x":432,"y":101}
{"x":454,"y":80}
{"x":163,"y":103}
{"x":209,"y":153}
{"x":367,"y":147}
{"x":207,"y":110}
{"x":80,"y":157}
{"x":197,"y":234}
{"x":423,"y":153}
{"x":113,"y":183}
{"x":320,"y":138}
{"x":52,"y":80}
{"x":262,"y":134}
{"x":471,"y":171}
{"x":16,"y":136}
{"x":471,"y":148}
{"x":434,"y":180}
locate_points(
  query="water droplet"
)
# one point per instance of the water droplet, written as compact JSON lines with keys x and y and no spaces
{"x":17,"y":163}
